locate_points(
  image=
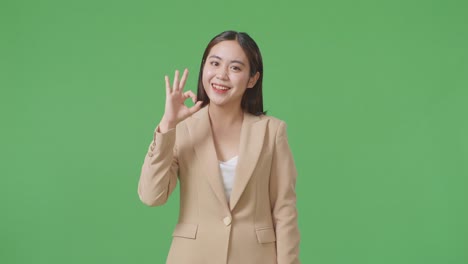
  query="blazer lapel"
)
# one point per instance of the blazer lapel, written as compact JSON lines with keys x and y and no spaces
{"x":251,"y":143}
{"x":202,"y":140}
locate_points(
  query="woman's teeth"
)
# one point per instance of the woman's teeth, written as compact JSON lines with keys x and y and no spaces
{"x":220,"y":87}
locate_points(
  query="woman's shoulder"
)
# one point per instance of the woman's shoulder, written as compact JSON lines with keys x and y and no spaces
{"x":271,"y":119}
{"x":274,"y":123}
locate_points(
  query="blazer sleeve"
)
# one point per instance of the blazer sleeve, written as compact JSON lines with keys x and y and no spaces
{"x":283,"y":200}
{"x":159,"y":172}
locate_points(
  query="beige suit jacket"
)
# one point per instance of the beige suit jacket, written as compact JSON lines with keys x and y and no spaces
{"x":258,"y":225}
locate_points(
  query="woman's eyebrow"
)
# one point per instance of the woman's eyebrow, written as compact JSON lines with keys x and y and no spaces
{"x":233,"y":61}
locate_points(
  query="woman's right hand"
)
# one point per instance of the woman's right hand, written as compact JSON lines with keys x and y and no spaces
{"x":175,"y":109}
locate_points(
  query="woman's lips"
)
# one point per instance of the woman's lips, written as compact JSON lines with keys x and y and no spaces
{"x":220,"y":88}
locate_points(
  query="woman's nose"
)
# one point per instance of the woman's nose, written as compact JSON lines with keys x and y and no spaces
{"x":221,"y":74}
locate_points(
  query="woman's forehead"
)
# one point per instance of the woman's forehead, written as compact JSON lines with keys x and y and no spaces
{"x":228,"y":50}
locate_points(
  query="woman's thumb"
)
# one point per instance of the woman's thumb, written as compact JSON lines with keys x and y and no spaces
{"x":196,"y":107}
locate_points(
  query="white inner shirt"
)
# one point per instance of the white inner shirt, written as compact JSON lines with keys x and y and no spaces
{"x":228,"y":170}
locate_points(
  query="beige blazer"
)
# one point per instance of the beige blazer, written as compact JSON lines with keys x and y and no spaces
{"x":258,"y":225}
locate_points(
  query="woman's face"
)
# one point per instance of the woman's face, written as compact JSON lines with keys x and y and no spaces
{"x":226,"y":74}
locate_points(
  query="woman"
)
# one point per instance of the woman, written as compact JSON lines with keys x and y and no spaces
{"x":236,"y":171}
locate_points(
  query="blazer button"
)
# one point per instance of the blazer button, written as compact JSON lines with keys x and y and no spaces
{"x":227,"y":220}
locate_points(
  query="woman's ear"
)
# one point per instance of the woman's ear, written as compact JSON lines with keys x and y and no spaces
{"x":253,"y":80}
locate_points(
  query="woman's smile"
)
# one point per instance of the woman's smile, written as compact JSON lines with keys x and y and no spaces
{"x":220,"y":88}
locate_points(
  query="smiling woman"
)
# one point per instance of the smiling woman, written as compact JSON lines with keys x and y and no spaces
{"x":233,"y":55}
{"x":227,"y":69}
{"x":236,"y":170}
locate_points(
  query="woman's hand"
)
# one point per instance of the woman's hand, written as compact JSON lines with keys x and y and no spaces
{"x":175,"y":109}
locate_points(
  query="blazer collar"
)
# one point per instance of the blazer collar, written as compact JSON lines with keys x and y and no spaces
{"x":251,"y":143}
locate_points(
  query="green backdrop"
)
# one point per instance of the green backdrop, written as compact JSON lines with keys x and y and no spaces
{"x":374,"y":94}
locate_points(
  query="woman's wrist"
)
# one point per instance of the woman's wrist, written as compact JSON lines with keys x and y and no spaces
{"x":166,"y":125}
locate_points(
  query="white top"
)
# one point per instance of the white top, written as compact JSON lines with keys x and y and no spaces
{"x":228,"y":171}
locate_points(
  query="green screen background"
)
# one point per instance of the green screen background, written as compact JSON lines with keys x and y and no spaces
{"x":374,"y":94}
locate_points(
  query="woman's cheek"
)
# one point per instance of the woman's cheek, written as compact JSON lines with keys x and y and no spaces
{"x":208,"y":73}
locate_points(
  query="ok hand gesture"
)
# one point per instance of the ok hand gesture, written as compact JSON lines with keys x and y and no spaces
{"x":175,"y":109}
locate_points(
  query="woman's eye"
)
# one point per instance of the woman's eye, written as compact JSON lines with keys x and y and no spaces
{"x":235,"y":68}
{"x":214,"y":63}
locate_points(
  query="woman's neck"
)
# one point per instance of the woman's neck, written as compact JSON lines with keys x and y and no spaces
{"x":225,"y":117}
